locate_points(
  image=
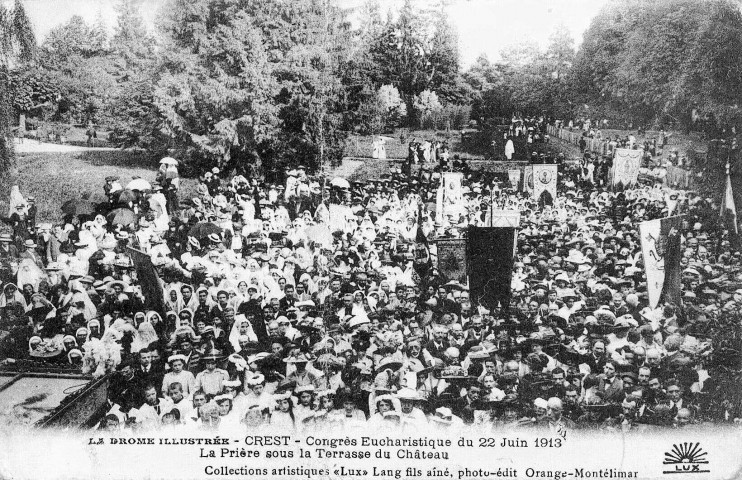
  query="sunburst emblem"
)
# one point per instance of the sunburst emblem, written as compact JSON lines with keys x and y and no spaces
{"x":687,"y":458}
{"x":686,"y":453}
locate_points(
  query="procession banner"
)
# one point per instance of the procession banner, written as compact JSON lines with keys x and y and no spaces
{"x":439,"y":204}
{"x":544,"y":180}
{"x":626,"y":163}
{"x":660,"y":241}
{"x":452,"y":259}
{"x":504,"y":218}
{"x":154,"y":298}
{"x":528,"y":179}
{"x":490,"y":253}
{"x":514,"y":177}
{"x":453,"y":194}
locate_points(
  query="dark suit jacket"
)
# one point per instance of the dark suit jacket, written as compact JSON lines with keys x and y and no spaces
{"x":436,"y":351}
{"x":154,"y":377}
{"x":613,"y":391}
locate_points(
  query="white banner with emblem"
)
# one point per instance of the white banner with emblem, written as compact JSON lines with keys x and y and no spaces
{"x":626,"y":165}
{"x":544,"y":179}
{"x":452,"y":194}
{"x":514,"y":177}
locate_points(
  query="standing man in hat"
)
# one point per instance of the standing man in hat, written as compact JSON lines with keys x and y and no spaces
{"x":31,"y":214}
{"x":29,"y":252}
{"x":8,"y":257}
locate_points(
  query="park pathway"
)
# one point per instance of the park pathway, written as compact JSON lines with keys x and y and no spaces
{"x":32,"y":146}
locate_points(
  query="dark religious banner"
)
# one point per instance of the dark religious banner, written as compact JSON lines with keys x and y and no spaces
{"x":154,"y":298}
{"x":490,"y":252}
{"x":660,"y":241}
{"x":452,"y":259}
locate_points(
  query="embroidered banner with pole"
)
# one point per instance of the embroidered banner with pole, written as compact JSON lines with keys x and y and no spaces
{"x":626,"y":163}
{"x":660,"y":241}
{"x":544,"y":180}
{"x":451,"y":254}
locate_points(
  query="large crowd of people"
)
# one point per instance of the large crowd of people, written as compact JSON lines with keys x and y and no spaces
{"x":308,"y":305}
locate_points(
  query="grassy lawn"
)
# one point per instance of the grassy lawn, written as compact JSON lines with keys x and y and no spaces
{"x":54,"y":178}
{"x":75,"y":135}
{"x":362,"y":145}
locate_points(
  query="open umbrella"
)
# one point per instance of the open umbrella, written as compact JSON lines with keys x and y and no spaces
{"x":121,"y":216}
{"x":168,"y":161}
{"x":78,"y":206}
{"x":126,"y":196}
{"x":139,"y":184}
{"x":202,"y":230}
{"x":340,"y":183}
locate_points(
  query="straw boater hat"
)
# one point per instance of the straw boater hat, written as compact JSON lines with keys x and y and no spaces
{"x":212,"y":355}
{"x":301,"y":358}
{"x":443,"y":415}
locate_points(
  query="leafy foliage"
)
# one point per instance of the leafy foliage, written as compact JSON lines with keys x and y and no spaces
{"x":17,"y":44}
{"x":74,"y":38}
{"x":32,"y":90}
{"x":659,"y":60}
{"x":214,"y":88}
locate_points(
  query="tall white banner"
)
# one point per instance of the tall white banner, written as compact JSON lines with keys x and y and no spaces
{"x":439,"y":204}
{"x":514,"y":177}
{"x":528,"y":179}
{"x":544,"y":179}
{"x":453,"y":194}
{"x":654,"y":264}
{"x":626,"y":165}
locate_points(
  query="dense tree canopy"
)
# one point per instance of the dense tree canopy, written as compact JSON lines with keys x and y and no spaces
{"x":661,"y":60}
{"x":260,"y":85}
{"x":17,"y":47}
